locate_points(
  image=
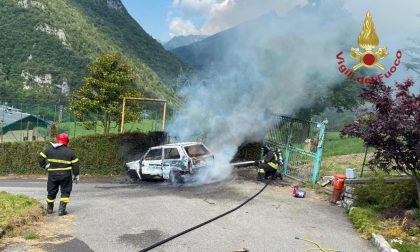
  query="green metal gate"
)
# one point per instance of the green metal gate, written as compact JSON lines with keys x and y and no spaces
{"x":301,"y":143}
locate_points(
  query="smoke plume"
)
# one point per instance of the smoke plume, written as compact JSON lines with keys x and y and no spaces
{"x":268,"y":65}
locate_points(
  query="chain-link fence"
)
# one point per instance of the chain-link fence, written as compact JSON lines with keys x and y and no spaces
{"x":30,"y":122}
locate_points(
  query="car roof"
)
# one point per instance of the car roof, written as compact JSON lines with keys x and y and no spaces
{"x":183,"y":144}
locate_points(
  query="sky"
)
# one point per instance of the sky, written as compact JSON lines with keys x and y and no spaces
{"x":397,"y":22}
{"x":164,"y":19}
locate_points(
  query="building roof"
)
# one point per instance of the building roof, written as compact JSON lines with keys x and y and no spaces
{"x":14,"y":119}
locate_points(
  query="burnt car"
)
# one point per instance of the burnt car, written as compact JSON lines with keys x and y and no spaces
{"x":176,"y":162}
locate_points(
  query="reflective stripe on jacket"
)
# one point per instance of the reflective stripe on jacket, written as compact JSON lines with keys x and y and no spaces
{"x":58,"y":158}
{"x":271,"y":159}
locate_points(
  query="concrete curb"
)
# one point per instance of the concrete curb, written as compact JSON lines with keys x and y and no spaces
{"x":382,"y":244}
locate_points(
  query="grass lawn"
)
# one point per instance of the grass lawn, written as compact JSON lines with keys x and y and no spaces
{"x":17,"y":210}
{"x":341,"y":153}
{"x":78,"y":129}
{"x":334,"y":145}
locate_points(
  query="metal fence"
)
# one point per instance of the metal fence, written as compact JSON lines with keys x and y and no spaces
{"x":301,"y":143}
{"x":60,"y":120}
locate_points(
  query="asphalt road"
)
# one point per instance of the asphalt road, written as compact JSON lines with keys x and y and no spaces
{"x":107,"y":215}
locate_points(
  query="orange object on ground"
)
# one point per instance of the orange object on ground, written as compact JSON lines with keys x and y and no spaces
{"x":335,"y":196}
{"x":338,"y":182}
{"x":338,"y":185}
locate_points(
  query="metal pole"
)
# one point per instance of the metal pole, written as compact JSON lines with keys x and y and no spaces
{"x":75,"y":126}
{"x":21,"y":122}
{"x":317,"y":164}
{"x":364,"y":161}
{"x":288,"y":145}
{"x":122,"y":116}
{"x":164,"y":116}
{"x":96,"y":121}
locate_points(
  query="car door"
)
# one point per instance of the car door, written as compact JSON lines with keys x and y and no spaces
{"x":152,"y":163}
{"x":171,"y":160}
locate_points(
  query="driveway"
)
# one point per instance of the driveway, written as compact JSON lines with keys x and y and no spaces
{"x":109,"y":215}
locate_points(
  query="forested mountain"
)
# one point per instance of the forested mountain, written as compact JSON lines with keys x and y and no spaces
{"x":179,"y":41}
{"x":46,"y":46}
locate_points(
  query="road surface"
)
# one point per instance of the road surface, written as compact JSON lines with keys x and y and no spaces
{"x":108,"y":215}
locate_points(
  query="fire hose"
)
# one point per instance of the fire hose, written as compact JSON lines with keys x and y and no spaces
{"x":157,"y":244}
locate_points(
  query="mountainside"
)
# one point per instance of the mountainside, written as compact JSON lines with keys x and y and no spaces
{"x":220,"y":46}
{"x":179,"y":41}
{"x":267,"y":36}
{"x":46,"y":46}
{"x":285,"y":64}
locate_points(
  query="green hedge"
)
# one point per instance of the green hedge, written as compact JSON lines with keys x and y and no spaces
{"x":380,"y":196}
{"x":248,"y":152}
{"x":98,"y":154}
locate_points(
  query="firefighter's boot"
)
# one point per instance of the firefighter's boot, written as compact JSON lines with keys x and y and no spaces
{"x":50,"y":207}
{"x":261,"y":174}
{"x":62,"y":209}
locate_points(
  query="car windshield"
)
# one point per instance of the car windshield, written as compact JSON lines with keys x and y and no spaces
{"x":196,"y":150}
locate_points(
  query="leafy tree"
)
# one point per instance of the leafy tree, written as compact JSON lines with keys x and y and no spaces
{"x":393,"y":128}
{"x":108,"y":81}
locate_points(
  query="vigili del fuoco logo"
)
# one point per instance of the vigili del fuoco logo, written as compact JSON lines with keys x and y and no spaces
{"x":368,"y":57}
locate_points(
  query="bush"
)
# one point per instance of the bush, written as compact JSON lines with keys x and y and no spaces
{"x":380,"y":196}
{"x":98,"y":154}
{"x":248,"y":152}
{"x":364,"y":220}
{"x":406,"y":247}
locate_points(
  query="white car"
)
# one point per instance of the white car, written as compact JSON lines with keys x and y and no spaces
{"x":175,"y":162}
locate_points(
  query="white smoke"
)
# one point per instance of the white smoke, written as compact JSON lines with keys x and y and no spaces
{"x":270,"y":65}
{"x":218,"y":15}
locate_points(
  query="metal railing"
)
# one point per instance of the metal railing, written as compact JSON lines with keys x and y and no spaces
{"x":301,"y":143}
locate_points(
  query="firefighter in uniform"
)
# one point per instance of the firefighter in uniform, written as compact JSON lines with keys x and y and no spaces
{"x":269,"y":165}
{"x":60,"y":162}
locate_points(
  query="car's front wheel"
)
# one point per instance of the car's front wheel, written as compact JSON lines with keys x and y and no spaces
{"x":132,"y":174}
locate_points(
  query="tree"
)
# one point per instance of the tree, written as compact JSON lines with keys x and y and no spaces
{"x":108,"y":81}
{"x":393,"y":128}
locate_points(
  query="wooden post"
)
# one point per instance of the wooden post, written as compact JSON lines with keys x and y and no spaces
{"x":122,"y":116}
{"x":164,"y":116}
{"x":146,"y":100}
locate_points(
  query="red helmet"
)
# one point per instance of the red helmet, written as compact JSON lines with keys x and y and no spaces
{"x":63,"y":138}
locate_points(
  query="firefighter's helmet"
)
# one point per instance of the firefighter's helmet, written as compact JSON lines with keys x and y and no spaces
{"x":63,"y":138}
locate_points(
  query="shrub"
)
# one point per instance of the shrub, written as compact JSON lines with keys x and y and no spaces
{"x":364,"y":220}
{"x":248,"y":152}
{"x":406,"y":247}
{"x":380,"y":196}
{"x":394,"y":213}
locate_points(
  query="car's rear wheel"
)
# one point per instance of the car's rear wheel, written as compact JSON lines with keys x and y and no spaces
{"x":175,"y":177}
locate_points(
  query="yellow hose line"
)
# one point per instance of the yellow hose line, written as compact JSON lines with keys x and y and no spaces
{"x":318,"y":246}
